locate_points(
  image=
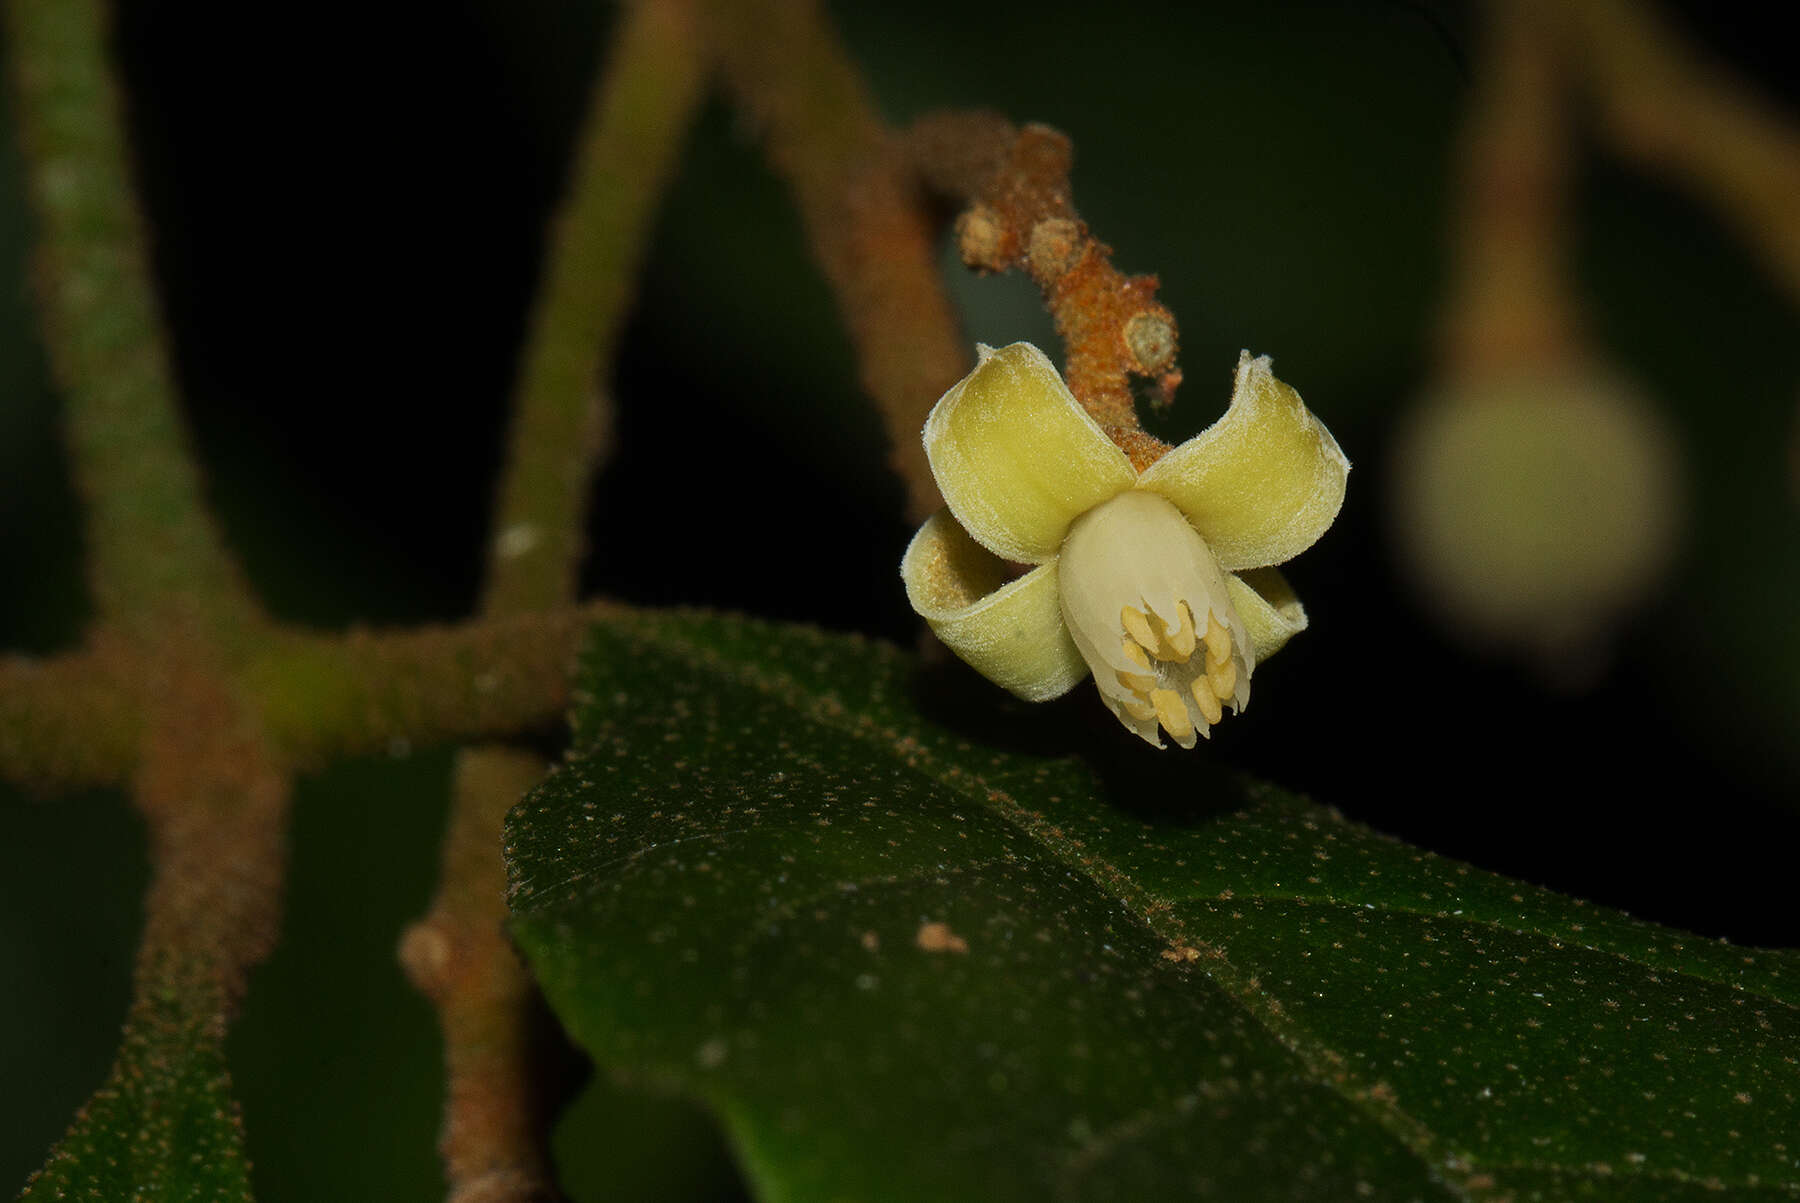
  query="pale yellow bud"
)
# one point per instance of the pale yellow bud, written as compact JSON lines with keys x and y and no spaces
{"x":1534,"y":509}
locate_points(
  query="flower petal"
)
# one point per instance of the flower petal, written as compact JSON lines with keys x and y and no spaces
{"x":1016,"y":456}
{"x":1011,"y":632}
{"x":1270,"y":612}
{"x":1263,"y":482}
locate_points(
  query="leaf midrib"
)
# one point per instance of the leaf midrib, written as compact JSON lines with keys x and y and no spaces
{"x":1555,"y":942}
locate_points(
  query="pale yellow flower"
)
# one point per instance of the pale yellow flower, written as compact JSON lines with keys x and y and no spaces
{"x":1160,"y":583}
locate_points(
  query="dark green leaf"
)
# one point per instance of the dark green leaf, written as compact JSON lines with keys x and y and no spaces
{"x":164,"y":1127}
{"x":1150,"y":979}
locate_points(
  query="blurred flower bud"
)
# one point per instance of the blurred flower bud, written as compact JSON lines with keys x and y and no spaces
{"x":1533,"y":509}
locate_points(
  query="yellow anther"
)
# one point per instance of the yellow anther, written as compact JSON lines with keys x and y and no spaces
{"x":1181,"y":637}
{"x":1137,"y":708}
{"x":1137,"y":682}
{"x":1206,"y":700}
{"x":1218,"y":641}
{"x":1223,"y":678}
{"x":1138,"y":627}
{"x":1135,"y":653}
{"x":1172,"y":712}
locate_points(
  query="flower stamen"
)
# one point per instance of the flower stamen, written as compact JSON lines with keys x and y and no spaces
{"x":1137,"y":682}
{"x":1222,"y":678}
{"x":1139,"y":628}
{"x":1218,"y":642}
{"x":1206,"y":699}
{"x":1135,"y":653}
{"x":1181,"y":638}
{"x":1141,"y":596}
{"x":1172,"y":712}
{"x":1138,"y":709}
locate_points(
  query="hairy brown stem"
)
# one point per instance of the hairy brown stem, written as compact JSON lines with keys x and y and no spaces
{"x":329,"y":696}
{"x":861,"y":212}
{"x":214,"y":794}
{"x":214,"y":797}
{"x":496,"y":1116}
{"x":174,"y":615}
{"x":1014,"y":184}
{"x":495,"y":1132}
{"x":66,"y":723}
{"x":561,"y":419}
{"x":83,"y":719}
{"x":153,"y":549}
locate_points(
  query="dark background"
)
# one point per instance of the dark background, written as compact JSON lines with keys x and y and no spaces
{"x":348,"y":204}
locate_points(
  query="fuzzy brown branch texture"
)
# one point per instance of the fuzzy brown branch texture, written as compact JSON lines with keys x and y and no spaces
{"x":863,"y":216}
{"x":495,"y":1136}
{"x":1018,"y":214}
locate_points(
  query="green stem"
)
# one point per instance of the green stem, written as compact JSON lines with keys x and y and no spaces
{"x":627,"y":152}
{"x":327,"y":696}
{"x":496,"y":1109}
{"x":80,"y":720}
{"x":65,"y":723}
{"x":214,"y":800}
{"x":152,"y":549}
{"x":494,"y":1141}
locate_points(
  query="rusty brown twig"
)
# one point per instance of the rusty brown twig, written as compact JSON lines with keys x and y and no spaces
{"x":494,"y":1139}
{"x":80,"y":719}
{"x":153,"y":548}
{"x":1014,"y":184}
{"x":860,"y":208}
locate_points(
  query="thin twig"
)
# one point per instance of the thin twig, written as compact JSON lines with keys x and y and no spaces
{"x":66,"y":723}
{"x":495,"y":1135}
{"x":153,"y":549}
{"x":81,"y":719}
{"x":214,"y":797}
{"x":561,"y":419}
{"x":329,"y":696}
{"x":494,"y":1140}
{"x":1014,"y":184}
{"x":1509,"y":302}
{"x":862,"y":215}
{"x":174,"y":614}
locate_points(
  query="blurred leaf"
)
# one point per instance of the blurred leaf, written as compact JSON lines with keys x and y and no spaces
{"x":1152,"y":981}
{"x":164,"y":1127}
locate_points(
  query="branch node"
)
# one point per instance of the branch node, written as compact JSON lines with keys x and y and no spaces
{"x":1014,"y":185}
{"x":1055,"y":246}
{"x":981,"y":238}
{"x":1150,"y":336}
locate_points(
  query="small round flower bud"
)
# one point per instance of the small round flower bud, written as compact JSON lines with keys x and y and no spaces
{"x":1054,"y":247}
{"x":1534,"y":509}
{"x":979,"y":237}
{"x":1151,"y":339}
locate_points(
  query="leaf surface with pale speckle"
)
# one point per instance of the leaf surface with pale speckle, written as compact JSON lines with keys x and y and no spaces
{"x":903,"y":963}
